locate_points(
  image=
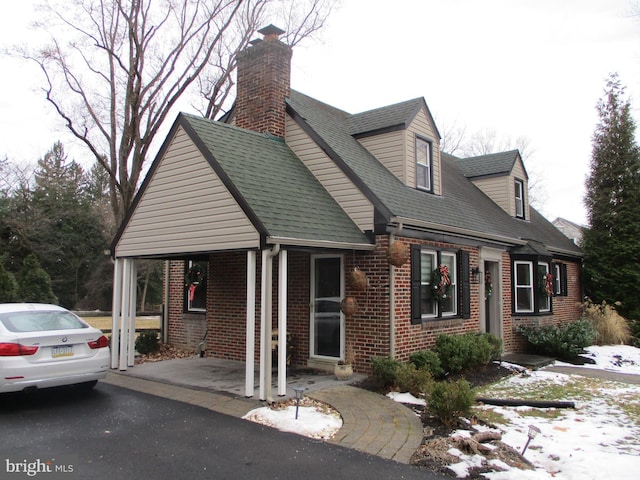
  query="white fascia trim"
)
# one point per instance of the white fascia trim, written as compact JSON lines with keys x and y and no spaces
{"x":301,"y":242}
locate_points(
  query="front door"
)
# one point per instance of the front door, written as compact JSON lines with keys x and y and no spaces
{"x":492,"y":318}
{"x":327,"y":323}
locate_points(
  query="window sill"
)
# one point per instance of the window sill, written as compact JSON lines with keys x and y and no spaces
{"x":439,"y":323}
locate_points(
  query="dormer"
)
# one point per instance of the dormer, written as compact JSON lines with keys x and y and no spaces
{"x":405,"y":139}
{"x":503,"y":178}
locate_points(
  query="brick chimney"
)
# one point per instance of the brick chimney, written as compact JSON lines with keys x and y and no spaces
{"x":263,"y":84}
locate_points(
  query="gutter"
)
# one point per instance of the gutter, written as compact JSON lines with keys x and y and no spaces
{"x":439,"y":228}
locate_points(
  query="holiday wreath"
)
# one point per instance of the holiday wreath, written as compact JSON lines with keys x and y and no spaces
{"x":194,"y":277}
{"x":441,"y":283}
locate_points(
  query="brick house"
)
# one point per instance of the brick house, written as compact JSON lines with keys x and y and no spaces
{"x":264,"y":216}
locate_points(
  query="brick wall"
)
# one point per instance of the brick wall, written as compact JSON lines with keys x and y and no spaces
{"x":367,"y":330}
{"x":410,"y":338}
{"x":566,"y":309}
{"x":263,"y":83}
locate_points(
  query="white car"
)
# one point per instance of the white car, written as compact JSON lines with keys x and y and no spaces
{"x":45,"y":346}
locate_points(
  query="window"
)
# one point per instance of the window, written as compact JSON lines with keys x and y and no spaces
{"x":519,"y":196}
{"x":560,"y":284}
{"x":195,"y":285}
{"x":535,"y":282}
{"x":523,"y":286}
{"x":545,"y":287}
{"x":424,"y":165}
{"x":428,"y":261}
{"x":448,"y":269}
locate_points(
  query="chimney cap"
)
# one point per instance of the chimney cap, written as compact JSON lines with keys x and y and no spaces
{"x":271,"y":31}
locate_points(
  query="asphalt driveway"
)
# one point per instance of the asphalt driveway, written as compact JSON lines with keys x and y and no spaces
{"x":114,"y":432}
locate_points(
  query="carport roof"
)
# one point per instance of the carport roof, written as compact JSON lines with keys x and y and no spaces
{"x":280,"y":196}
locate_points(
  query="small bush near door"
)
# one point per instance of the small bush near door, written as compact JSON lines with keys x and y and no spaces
{"x":565,"y":342}
{"x":147,"y":342}
{"x":468,"y":351}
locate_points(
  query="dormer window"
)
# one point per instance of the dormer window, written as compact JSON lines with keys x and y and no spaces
{"x":519,"y":197}
{"x":424,"y":165}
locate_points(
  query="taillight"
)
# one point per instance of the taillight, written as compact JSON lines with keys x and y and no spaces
{"x":16,"y":350}
{"x":102,"y":342}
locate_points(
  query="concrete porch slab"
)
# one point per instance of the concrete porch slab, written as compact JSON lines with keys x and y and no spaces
{"x":527,"y":360}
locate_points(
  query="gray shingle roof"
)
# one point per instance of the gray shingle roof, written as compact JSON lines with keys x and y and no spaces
{"x":462,"y":205}
{"x":274,"y":185}
{"x":484,"y":165}
{"x":400,"y":114}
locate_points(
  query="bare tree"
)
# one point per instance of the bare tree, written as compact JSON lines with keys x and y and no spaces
{"x":115,"y":69}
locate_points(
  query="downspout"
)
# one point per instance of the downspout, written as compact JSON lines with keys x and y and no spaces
{"x":266,"y":321}
{"x":392,"y":297}
{"x":165,"y":312}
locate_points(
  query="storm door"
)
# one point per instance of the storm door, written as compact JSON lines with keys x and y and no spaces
{"x":327,"y":322}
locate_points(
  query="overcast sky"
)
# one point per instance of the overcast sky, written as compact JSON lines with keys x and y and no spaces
{"x":522,"y":68}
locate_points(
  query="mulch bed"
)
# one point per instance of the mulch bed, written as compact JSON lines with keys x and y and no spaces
{"x":438,"y":440}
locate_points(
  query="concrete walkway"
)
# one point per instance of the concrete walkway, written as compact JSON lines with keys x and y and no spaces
{"x":372,"y":423}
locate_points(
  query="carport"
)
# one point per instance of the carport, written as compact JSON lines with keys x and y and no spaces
{"x":201,"y":173}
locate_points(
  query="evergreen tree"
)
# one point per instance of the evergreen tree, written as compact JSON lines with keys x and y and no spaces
{"x":34,"y":283}
{"x":612,"y":241}
{"x":69,"y":236}
{"x":8,"y":286}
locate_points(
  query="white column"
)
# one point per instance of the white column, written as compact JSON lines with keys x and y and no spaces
{"x":251,"y":324}
{"x":126,"y":313}
{"x":282,"y":323}
{"x":266,"y":325}
{"x":133,"y":295}
{"x":116,"y":314}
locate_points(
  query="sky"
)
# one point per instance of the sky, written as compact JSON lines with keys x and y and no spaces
{"x":520,"y":68}
{"x":594,"y":440}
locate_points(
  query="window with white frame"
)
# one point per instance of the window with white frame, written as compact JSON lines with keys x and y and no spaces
{"x":535,"y":283}
{"x":424,"y":165}
{"x":545,"y":287}
{"x":523,"y":280}
{"x":195,"y":284}
{"x":438,"y":284}
{"x":519,"y":198}
{"x":560,"y":280}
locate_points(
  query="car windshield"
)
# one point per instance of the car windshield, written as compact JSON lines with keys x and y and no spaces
{"x":40,"y":321}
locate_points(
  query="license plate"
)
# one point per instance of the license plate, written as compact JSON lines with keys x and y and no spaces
{"x":62,"y":351}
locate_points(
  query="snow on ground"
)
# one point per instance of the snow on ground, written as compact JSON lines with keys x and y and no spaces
{"x":614,"y":358}
{"x":314,"y":420}
{"x":595,"y":440}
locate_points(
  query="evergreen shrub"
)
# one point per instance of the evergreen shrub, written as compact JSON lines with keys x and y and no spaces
{"x":565,"y":342}
{"x":147,"y":342}
{"x":450,"y":400}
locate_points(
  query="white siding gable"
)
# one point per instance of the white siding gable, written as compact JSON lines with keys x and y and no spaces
{"x":344,"y":192}
{"x":422,"y":127}
{"x":185,"y":209}
{"x":397,"y":150}
{"x":501,"y":189}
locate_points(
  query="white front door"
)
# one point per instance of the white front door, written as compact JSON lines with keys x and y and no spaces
{"x":327,"y":321}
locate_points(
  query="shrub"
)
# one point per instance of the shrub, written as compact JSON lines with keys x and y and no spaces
{"x":611,"y":327}
{"x":384,"y":372}
{"x":467,"y":351}
{"x":427,"y":359}
{"x":416,"y":381}
{"x":147,"y":342}
{"x":566,"y":342}
{"x":450,"y":400}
